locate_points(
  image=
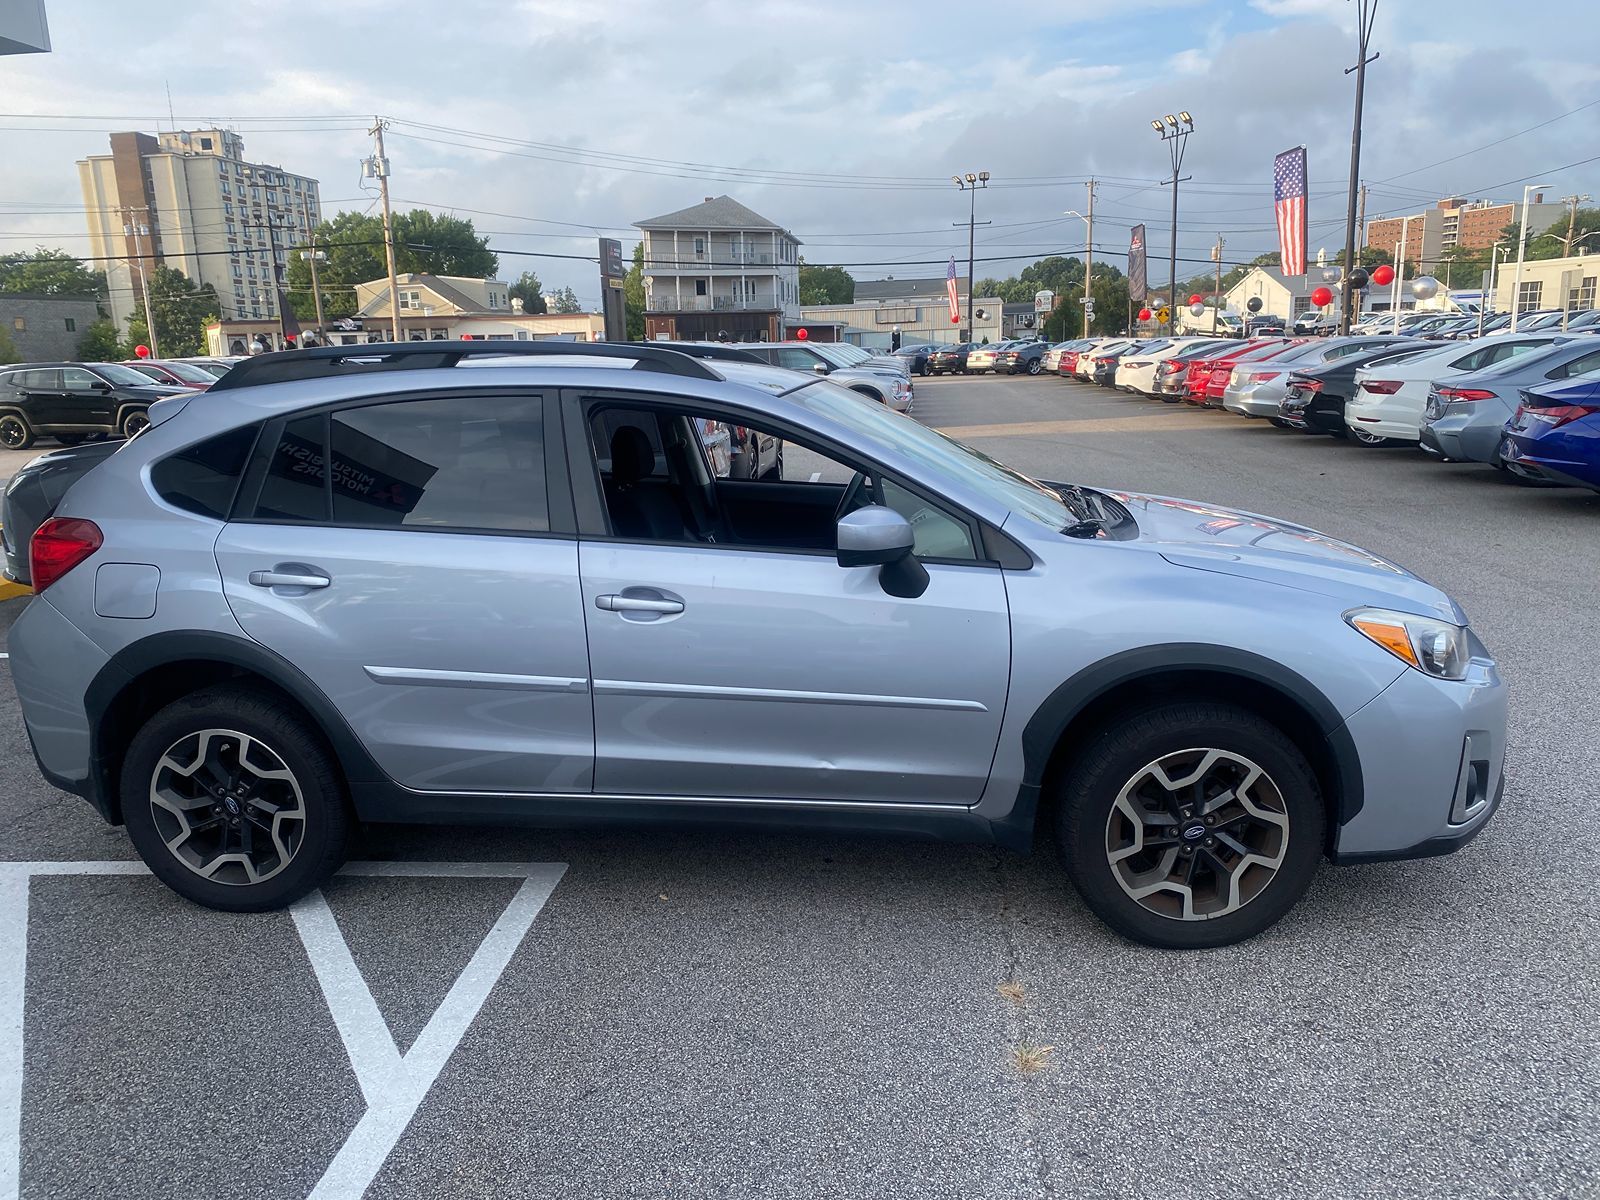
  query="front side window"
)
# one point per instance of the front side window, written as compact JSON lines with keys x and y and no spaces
{"x":473,"y":463}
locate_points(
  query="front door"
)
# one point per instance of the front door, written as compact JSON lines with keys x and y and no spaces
{"x":85,"y":399}
{"x":420,"y":586}
{"x":733,"y":657}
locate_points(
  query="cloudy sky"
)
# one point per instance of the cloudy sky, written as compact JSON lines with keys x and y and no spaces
{"x":549,"y":122}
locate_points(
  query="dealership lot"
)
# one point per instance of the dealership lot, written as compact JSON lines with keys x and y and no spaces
{"x":769,"y":1014}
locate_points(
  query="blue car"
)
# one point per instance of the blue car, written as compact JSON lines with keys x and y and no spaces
{"x":1555,"y":434}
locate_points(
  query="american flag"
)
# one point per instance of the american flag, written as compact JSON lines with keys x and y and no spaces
{"x":1289,"y":202}
{"x":950,"y":287}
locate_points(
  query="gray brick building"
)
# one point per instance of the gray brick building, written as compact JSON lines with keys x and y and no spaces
{"x":46,"y":328}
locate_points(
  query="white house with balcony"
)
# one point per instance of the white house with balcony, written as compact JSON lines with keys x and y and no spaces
{"x":716,"y":271}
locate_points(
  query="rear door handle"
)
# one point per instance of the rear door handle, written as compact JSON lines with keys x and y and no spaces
{"x":290,"y":575}
{"x":617,"y":603}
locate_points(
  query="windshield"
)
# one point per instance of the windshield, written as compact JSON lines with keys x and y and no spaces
{"x":836,"y":355}
{"x":127,"y":376}
{"x":849,"y":353}
{"x":189,"y":373}
{"x":942,"y":457}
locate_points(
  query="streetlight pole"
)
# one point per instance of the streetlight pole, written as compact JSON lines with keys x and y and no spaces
{"x":970,"y":183}
{"x":1174,"y":131}
{"x":1368,"y":10}
{"x":138,"y":232}
{"x":1088,"y":256}
{"x":1522,"y":249}
{"x":1400,"y":271}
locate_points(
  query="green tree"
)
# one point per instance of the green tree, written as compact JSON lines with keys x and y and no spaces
{"x":180,"y":311}
{"x":49,"y":273}
{"x":1552,"y":243}
{"x":8,"y":348}
{"x":566,"y":301}
{"x":353,"y":243}
{"x":633,"y":295}
{"x":826,"y":285}
{"x":530,"y":291}
{"x":99,"y":342}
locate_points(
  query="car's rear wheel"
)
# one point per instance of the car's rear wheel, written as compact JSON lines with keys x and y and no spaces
{"x":233,"y":802}
{"x":15,"y":432}
{"x":1279,"y":422}
{"x":1363,"y":438}
{"x":134,"y":422}
{"x":1191,"y":825}
{"x":71,"y":439}
{"x":1035,"y":367}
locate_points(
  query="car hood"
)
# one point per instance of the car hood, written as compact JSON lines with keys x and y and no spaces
{"x":1227,"y":541}
{"x":154,"y":391}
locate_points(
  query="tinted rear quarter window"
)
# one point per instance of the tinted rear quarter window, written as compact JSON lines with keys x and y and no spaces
{"x":203,"y":478}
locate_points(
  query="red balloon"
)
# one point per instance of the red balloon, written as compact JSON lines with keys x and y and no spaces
{"x":466,"y":337}
{"x":1196,"y":299}
{"x":955,"y":320}
{"x":1144,"y":314}
{"x":142,"y":351}
{"x":1383,"y":275}
{"x":1322,"y":297}
{"x":802,"y":333}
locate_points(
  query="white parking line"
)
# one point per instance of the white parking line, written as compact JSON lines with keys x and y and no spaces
{"x":392,"y":1083}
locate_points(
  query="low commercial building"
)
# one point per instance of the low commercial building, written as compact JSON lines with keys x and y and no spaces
{"x":919,"y":309}
{"x":46,"y":328}
{"x":1285,"y":296}
{"x":1548,"y":283}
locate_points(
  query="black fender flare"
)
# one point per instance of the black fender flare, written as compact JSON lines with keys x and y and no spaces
{"x":1072,"y":698}
{"x":162,"y":649}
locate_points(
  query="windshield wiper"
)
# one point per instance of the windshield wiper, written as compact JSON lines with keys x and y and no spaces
{"x":1087,"y":528}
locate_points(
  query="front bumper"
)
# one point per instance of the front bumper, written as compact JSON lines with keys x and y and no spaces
{"x":1432,"y":762}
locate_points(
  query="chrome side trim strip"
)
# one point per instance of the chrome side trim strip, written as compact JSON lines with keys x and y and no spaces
{"x":476,"y":679}
{"x":706,"y":691}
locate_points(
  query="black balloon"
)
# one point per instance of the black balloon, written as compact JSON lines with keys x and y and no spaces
{"x":1358,"y":278}
{"x":1253,"y":304}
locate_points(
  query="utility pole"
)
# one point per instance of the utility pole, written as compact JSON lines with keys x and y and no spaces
{"x":1216,"y":300}
{"x":1572,"y":203}
{"x":378,"y":168}
{"x":1088,"y":263}
{"x":139,"y":232}
{"x":1368,"y":10}
{"x":311,"y":257}
{"x":970,"y":183}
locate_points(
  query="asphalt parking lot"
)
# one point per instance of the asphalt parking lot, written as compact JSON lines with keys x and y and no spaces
{"x":630,"y":1014}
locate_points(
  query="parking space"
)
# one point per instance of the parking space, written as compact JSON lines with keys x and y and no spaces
{"x":652,"y":1014}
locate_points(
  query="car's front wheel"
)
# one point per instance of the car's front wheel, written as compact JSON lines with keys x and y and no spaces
{"x":233,"y":801}
{"x":1191,"y":825}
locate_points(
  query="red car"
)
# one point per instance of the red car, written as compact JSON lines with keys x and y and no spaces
{"x":176,"y":374}
{"x":1068,"y":363}
{"x":1208,"y":377}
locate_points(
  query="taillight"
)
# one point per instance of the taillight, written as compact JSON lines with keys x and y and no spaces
{"x":1381,"y":387}
{"x":1307,"y":385}
{"x":1263,"y":376}
{"x":1561,"y":414}
{"x":1451,"y":393}
{"x":60,"y":544}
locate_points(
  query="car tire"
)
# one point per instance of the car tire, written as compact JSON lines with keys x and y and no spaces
{"x":289,"y":822}
{"x":71,"y":439}
{"x":133,"y":422}
{"x":1035,"y":367}
{"x":1263,"y":793}
{"x":15,"y":432}
{"x":1279,"y":423}
{"x":1362,"y":438}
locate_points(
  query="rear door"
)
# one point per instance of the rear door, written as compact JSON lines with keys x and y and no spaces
{"x":427,"y":584}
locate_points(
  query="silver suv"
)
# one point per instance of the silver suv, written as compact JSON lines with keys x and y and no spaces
{"x":454,"y":582}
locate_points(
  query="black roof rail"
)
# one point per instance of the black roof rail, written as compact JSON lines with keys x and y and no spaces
{"x":328,"y":362}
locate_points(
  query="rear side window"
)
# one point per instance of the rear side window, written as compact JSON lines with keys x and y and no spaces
{"x":474,"y":463}
{"x":1584,"y":364}
{"x":204,"y":478}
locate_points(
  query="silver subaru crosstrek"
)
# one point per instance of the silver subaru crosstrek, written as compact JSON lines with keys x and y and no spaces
{"x":451,"y":582}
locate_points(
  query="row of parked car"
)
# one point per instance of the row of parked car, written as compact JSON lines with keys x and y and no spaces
{"x":1527,"y":403}
{"x":76,"y":401}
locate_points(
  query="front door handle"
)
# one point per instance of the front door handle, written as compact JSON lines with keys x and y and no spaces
{"x":623,"y":603}
{"x":290,"y":575}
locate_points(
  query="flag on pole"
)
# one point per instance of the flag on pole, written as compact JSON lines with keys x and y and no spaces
{"x":1138,"y":285}
{"x":1289,"y":202}
{"x":950,"y":287}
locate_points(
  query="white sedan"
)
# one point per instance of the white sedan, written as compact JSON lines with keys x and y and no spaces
{"x":1136,"y":370}
{"x":1389,"y":399}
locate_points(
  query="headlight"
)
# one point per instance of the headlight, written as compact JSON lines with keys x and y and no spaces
{"x":1433,"y":647}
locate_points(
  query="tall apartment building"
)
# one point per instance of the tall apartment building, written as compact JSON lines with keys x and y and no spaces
{"x":716,"y":269}
{"x":1453,"y":222}
{"x":209,"y":213}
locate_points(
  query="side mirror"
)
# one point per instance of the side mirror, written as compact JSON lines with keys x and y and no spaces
{"x":879,"y":536}
{"x":820,"y":368}
{"x":100,"y":385}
